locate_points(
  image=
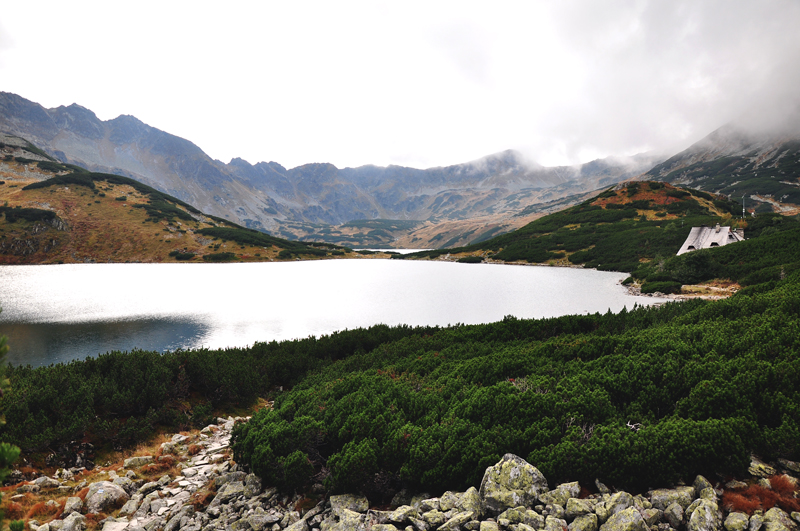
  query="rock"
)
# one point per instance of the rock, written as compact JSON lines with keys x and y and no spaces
{"x":555,"y":524}
{"x":555,"y":510}
{"x":777,"y":520}
{"x":626,"y":520}
{"x":435,"y":518}
{"x":663,"y":498}
{"x":252,"y":486}
{"x":429,"y":504}
{"x":756,"y":521}
{"x":699,"y":484}
{"x":125,"y":483}
{"x":175,"y":523}
{"x":619,"y":501}
{"x":401,"y":514}
{"x":488,"y":525}
{"x":760,"y":469}
{"x":347,"y":521}
{"x":74,"y":522}
{"x":734,"y":484}
{"x":790,"y":465}
{"x":103,"y":496}
{"x":229,"y":492}
{"x":796,"y":516}
{"x":147,"y":488}
{"x":73,"y":505}
{"x":577,"y":507}
{"x":561,"y":494}
{"x":601,"y":488}
{"x":46,"y":483}
{"x":419,"y":525}
{"x":449,"y":500}
{"x":384,"y":527}
{"x":584,"y":522}
{"x":510,"y":483}
{"x":136,"y":462}
{"x":131,"y":505}
{"x":736,"y":522}
{"x":708,"y":494}
{"x":300,"y":525}
{"x":705,"y":516}
{"x":359,"y":504}
{"x":651,"y":516}
{"x":674,"y":515}
{"x":471,"y":501}
{"x":456,"y":521}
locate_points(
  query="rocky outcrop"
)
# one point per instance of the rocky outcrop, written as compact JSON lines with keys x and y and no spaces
{"x":513,"y":496}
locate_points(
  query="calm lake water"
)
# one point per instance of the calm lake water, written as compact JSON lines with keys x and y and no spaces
{"x":57,"y":313}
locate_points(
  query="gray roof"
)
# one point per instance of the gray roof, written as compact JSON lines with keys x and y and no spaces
{"x":708,"y":237}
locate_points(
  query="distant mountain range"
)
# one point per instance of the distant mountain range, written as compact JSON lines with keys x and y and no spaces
{"x":454,"y":204}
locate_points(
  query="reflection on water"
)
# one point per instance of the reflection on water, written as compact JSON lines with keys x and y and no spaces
{"x":45,"y":343}
{"x":62,"y":312}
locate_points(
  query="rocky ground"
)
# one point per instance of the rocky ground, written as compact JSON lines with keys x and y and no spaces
{"x":208,"y":492}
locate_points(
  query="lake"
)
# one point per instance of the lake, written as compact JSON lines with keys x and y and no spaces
{"x":57,"y":313}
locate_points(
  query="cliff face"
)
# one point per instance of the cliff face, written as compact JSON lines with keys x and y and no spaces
{"x":269,"y":197}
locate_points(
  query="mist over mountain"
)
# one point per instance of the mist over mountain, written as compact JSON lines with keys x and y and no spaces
{"x":269,"y":197}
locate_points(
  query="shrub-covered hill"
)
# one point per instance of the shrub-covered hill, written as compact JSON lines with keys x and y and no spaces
{"x":624,"y":225}
{"x":55,"y":213}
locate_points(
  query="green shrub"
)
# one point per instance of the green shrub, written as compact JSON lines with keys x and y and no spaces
{"x":470,"y":260}
{"x":219,"y":257}
{"x":661,"y":287}
{"x":121,"y":198}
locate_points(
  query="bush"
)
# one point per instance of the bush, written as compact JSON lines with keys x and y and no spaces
{"x":219,"y":257}
{"x":661,"y":287}
{"x":470,"y":260}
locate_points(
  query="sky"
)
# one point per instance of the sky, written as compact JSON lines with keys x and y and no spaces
{"x":419,"y":84}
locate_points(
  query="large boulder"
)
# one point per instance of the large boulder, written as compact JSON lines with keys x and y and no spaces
{"x":560,"y":494}
{"x":736,"y":522}
{"x":136,"y":462}
{"x":777,"y":520}
{"x":104,"y":496}
{"x":352,"y":502}
{"x":586,"y":522}
{"x":626,"y":520}
{"x":510,"y":483}
{"x":74,"y":522}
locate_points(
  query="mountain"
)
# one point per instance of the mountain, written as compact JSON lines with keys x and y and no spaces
{"x":760,"y":165}
{"x":60,"y":213}
{"x":488,"y":194}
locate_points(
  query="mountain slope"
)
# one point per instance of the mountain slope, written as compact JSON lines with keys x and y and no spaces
{"x":53,"y":213}
{"x":267,"y":196}
{"x":762,"y":167}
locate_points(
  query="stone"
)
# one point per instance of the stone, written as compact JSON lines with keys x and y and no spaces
{"x":46,"y":483}
{"x":796,"y":516}
{"x":435,"y":518}
{"x":555,"y":524}
{"x":73,"y":505}
{"x":74,"y":522}
{"x":708,"y":494}
{"x":352,"y":502}
{"x":760,"y":469}
{"x":756,"y":522}
{"x":347,"y":521}
{"x":419,"y":525}
{"x":401,"y":514}
{"x":651,"y":516}
{"x":555,"y":510}
{"x":700,"y":483}
{"x":136,"y":462}
{"x":229,"y":492}
{"x":104,"y":496}
{"x":300,"y":525}
{"x":488,"y":525}
{"x":577,"y":507}
{"x":252,"y":486}
{"x":456,"y":521}
{"x":510,"y":483}
{"x":663,"y":498}
{"x":429,"y":504}
{"x":449,"y":500}
{"x":776,"y":519}
{"x":471,"y":501}
{"x":131,"y":505}
{"x":147,"y":488}
{"x":789,"y":465}
{"x":619,"y":501}
{"x":626,"y":520}
{"x":584,"y":522}
{"x":601,"y":488}
{"x":736,"y":522}
{"x":384,"y":527}
{"x":674,"y":515}
{"x":560,"y":494}
{"x":705,"y":517}
{"x":125,"y":483}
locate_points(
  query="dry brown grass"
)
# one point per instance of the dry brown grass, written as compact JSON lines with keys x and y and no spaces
{"x":194,"y":449}
{"x":782,"y":494}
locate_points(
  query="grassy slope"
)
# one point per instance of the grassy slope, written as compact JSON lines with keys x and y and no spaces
{"x":98,"y":226}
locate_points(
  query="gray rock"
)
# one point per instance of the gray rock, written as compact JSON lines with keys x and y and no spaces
{"x":555,"y":524}
{"x":456,"y":521}
{"x":510,"y":483}
{"x":705,"y":517}
{"x":699,"y":484}
{"x":401,"y":514}
{"x":601,"y":488}
{"x":449,"y":500}
{"x":471,"y":501}
{"x":777,"y":520}
{"x":584,"y":522}
{"x":131,"y":505}
{"x":796,"y":516}
{"x":556,"y":511}
{"x":46,"y":483}
{"x":136,"y":462}
{"x":756,"y":521}
{"x":619,"y":501}
{"x":435,"y":518}
{"x":651,"y":516}
{"x":560,"y":494}
{"x":74,"y":522}
{"x":760,"y":469}
{"x":736,"y":522}
{"x":626,"y":520}
{"x":708,"y":494}
{"x":663,"y":498}
{"x":177,"y":521}
{"x":674,"y":515}
{"x":577,"y":507}
{"x":488,"y":525}
{"x":352,"y":502}
{"x":790,"y":465}
{"x":429,"y":504}
{"x":345,"y":520}
{"x":229,"y":492}
{"x":384,"y":527}
{"x":104,"y":496}
{"x":125,"y":483}
{"x":419,"y":525}
{"x":73,"y":505}
{"x":147,"y":488}
{"x":300,"y":525}
{"x":252,"y":486}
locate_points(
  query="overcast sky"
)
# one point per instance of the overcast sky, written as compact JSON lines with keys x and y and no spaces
{"x":412,"y":83}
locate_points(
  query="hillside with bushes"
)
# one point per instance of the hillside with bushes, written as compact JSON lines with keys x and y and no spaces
{"x":59,"y":213}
